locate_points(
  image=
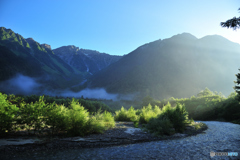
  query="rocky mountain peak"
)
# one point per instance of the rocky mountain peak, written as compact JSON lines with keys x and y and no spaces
{"x":73,"y":48}
{"x":66,"y":50}
{"x":2,"y":28}
{"x":46,"y":46}
{"x":184,"y":36}
{"x":30,"y":40}
{"x":5,"y":29}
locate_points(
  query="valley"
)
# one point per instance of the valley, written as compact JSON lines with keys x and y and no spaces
{"x":152,"y":83}
{"x":180,"y":66}
{"x":119,"y":80}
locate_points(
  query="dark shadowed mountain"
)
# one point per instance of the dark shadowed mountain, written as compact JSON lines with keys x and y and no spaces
{"x":20,"y":56}
{"x":85,"y":60}
{"x":179,"y":66}
{"x":29,"y":58}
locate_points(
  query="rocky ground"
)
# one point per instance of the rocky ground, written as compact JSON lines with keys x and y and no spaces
{"x":123,"y":133}
{"x":118,"y":144}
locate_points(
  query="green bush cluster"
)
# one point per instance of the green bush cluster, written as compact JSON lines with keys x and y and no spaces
{"x":126,"y":115}
{"x":160,"y":126}
{"x":39,"y":117}
{"x":206,"y":105}
{"x":167,"y":120}
{"x":56,"y":117}
{"x":38,"y":114}
{"x":172,"y":119}
{"x":148,"y":112}
{"x":32,"y":116}
{"x":101,"y":120}
{"x":91,"y":105}
{"x":140,"y":115}
{"x":8,"y":114}
{"x":212,"y":106}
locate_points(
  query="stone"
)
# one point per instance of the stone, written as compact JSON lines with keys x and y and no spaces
{"x":179,"y":135}
{"x":132,"y":130}
{"x":190,"y":128}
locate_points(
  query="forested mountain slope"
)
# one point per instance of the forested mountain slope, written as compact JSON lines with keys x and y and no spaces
{"x":179,"y":66}
{"x":20,"y":56}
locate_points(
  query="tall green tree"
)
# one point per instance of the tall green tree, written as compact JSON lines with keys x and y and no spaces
{"x":237,"y":86}
{"x":235,"y":24}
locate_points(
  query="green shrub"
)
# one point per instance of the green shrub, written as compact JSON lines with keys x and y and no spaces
{"x":126,"y":115}
{"x":56,"y":117}
{"x":160,"y":126}
{"x":168,"y":119}
{"x":148,"y":112}
{"x":136,"y":124}
{"x":167,"y":109}
{"x":32,"y":115}
{"x":8,"y":113}
{"x":177,"y":115}
{"x":100,"y":122}
{"x":179,"y":118}
{"x":91,"y":106}
{"x":108,"y":120}
{"x":138,"y":112}
{"x":231,"y":111}
{"x":94,"y":126}
{"x":77,"y":118}
{"x":37,"y":115}
{"x":132,"y":114}
{"x":157,"y":110}
{"x":121,"y":115}
{"x":105,"y":117}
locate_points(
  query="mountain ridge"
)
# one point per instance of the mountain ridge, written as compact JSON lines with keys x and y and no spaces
{"x":152,"y":68}
{"x":179,"y":66}
{"x":38,"y":60}
{"x":85,"y":60}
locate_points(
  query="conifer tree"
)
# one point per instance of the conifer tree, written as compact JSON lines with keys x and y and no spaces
{"x":237,"y":87}
{"x":235,"y":24}
{"x":232,"y":23}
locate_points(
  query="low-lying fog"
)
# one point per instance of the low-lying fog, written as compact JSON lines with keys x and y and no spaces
{"x":20,"y":84}
{"x":24,"y":85}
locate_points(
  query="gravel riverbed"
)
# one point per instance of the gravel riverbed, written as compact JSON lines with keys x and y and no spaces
{"x":219,"y":137}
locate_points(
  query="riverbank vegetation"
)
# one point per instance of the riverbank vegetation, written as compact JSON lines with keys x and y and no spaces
{"x":40,"y":115}
{"x":205,"y":106}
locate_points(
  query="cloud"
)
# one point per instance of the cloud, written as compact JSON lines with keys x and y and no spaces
{"x":99,"y":93}
{"x":20,"y":84}
{"x":24,"y":85}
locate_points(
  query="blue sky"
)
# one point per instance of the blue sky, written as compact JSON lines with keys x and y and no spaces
{"x":116,"y":27}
